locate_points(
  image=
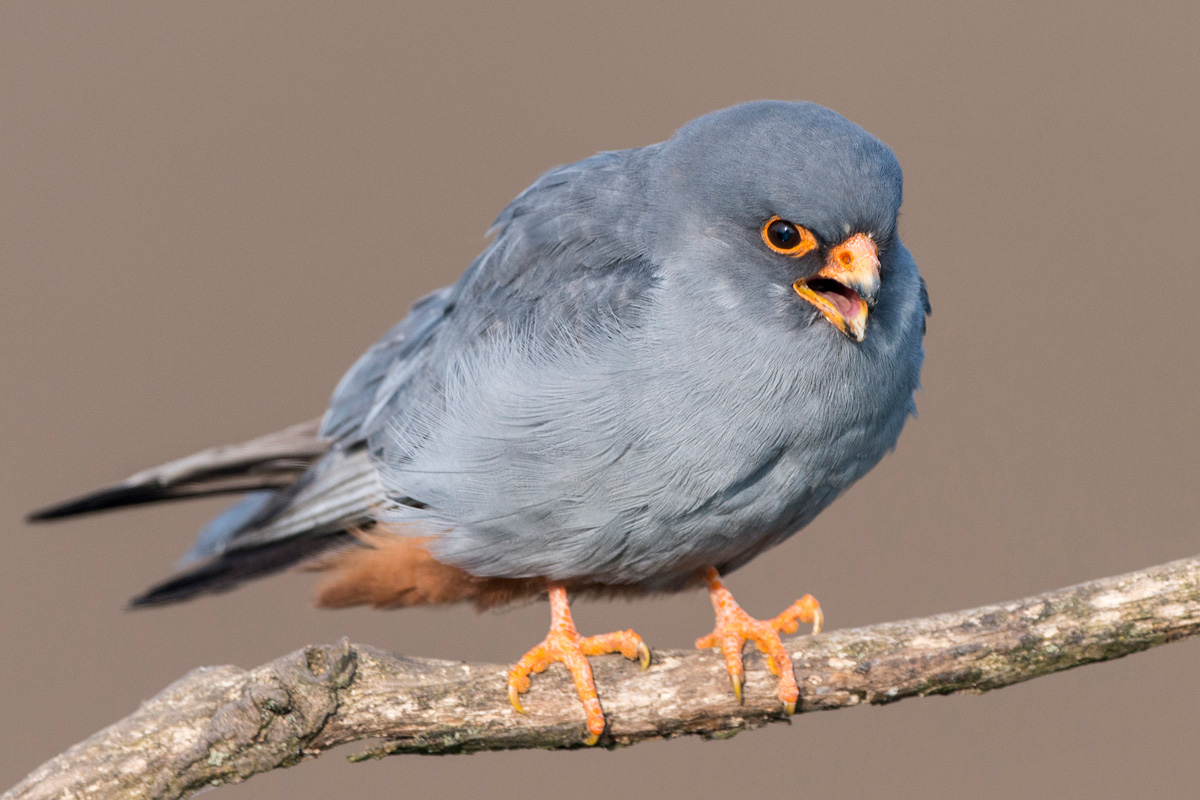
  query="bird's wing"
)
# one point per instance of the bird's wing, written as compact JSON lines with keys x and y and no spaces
{"x":552,"y":264}
{"x":550,"y":242}
{"x":547,"y":227}
{"x":356,"y":391}
{"x":566,"y":260}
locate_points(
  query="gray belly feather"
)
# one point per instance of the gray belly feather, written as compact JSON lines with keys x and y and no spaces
{"x":623,"y":462}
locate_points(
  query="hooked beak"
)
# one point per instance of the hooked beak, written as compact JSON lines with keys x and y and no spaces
{"x":847,"y":286}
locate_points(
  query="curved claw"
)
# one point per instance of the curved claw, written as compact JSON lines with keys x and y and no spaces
{"x":737,"y":681}
{"x":514,"y":697}
{"x":643,"y":656}
{"x":790,"y":707}
{"x":818,"y":621}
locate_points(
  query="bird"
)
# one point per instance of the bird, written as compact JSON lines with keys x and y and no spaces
{"x":666,"y":361}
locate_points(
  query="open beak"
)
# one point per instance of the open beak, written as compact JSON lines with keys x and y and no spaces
{"x":847,"y":286}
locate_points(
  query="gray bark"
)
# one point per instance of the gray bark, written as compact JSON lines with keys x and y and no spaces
{"x":224,"y":724}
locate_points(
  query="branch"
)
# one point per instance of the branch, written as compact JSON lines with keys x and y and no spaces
{"x":224,"y":724}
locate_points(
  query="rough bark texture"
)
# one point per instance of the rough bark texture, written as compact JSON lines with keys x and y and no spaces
{"x":224,"y":724}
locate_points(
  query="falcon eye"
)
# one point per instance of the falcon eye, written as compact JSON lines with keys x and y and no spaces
{"x":787,"y":238}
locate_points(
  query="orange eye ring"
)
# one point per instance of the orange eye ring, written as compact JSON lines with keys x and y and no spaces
{"x":787,"y":238}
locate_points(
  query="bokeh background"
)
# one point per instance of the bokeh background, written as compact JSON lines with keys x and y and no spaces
{"x":208,"y":210}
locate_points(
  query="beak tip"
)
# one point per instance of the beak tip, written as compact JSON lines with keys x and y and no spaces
{"x":857,"y":332}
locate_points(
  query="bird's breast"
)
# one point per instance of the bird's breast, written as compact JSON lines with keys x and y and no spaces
{"x":644,"y":457}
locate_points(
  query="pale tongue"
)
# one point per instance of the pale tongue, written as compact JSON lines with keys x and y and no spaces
{"x":846,"y":304}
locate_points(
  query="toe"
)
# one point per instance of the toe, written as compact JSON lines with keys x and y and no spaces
{"x":731,"y":648}
{"x":627,"y":643}
{"x":571,"y":650}
{"x":806,"y":609}
{"x":735,"y":628}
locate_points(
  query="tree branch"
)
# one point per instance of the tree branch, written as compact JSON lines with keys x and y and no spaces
{"x":224,"y":724}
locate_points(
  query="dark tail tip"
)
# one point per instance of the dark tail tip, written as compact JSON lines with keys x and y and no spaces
{"x":237,"y":566}
{"x":99,"y":500}
{"x":181,"y":588}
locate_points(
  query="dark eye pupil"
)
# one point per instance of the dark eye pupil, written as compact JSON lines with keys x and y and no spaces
{"x":783,"y":234}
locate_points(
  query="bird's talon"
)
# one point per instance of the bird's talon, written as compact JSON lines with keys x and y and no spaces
{"x":643,"y":656}
{"x":735,"y":627}
{"x":564,"y":645}
{"x":514,"y":697}
{"x":818,"y":621}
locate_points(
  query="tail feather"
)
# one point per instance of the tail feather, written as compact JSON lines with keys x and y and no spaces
{"x":274,"y":461}
{"x":230,"y":569}
{"x":336,"y":494}
{"x":302,"y":496}
{"x":270,"y":531}
{"x":214,"y":536}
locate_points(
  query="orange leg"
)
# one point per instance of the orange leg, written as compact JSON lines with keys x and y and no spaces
{"x":564,"y":644}
{"x":735,"y":627}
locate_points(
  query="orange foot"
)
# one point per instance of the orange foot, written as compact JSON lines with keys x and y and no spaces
{"x":735,"y":627}
{"x":564,"y":644}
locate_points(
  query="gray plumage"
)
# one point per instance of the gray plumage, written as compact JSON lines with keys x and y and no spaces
{"x":623,"y":387}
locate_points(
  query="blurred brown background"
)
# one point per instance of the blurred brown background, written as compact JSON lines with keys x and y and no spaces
{"x":207,"y":211}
